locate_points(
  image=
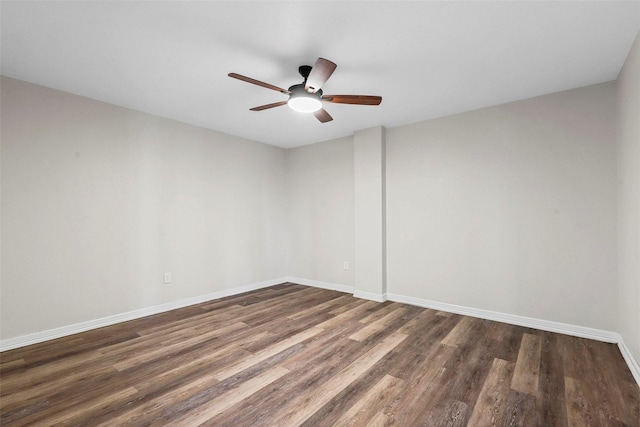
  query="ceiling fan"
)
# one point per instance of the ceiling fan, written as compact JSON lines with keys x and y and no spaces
{"x":307,"y":97}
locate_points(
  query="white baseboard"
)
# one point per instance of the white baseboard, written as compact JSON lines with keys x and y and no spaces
{"x":370,"y":296}
{"x":341,"y":288}
{"x":634,"y":367}
{"x":323,"y":285}
{"x":545,"y":325}
{"x":529,"y":322}
{"x":25,"y":340}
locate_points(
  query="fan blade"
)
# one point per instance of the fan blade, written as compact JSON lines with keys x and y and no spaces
{"x":322,"y":115}
{"x":265,"y":107}
{"x":319,"y":74}
{"x":353,"y":99}
{"x":258,"y":82}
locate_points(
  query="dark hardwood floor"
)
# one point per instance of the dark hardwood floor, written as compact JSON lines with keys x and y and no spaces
{"x":294,"y":355}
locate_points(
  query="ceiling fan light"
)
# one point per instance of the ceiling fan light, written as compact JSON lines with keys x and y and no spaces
{"x":304,"y":104}
{"x":302,"y":101}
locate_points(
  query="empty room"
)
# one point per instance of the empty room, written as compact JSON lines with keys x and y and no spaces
{"x":320,"y":213}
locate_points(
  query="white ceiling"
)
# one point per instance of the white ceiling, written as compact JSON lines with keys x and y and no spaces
{"x":425,"y":58}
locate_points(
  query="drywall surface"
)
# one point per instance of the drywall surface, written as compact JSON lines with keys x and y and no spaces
{"x":510,"y":208}
{"x":369,"y":212}
{"x":628,"y":114}
{"x":320,"y":211}
{"x":99,"y":201}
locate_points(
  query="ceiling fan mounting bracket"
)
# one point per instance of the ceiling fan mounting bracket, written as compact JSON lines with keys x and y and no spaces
{"x":304,"y":71}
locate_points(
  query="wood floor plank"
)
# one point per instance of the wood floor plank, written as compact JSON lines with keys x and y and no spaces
{"x":451,"y":412}
{"x":76,"y":413}
{"x":612,"y":407}
{"x":595,"y":406}
{"x":29,"y":408}
{"x":169,"y":349}
{"x":322,"y":361}
{"x":43,"y":373}
{"x":408,"y":408}
{"x":309,"y":403}
{"x":266,"y":353}
{"x":385,"y":308}
{"x":381,"y":418}
{"x":522,"y":410}
{"x":355,"y":391}
{"x":193,"y":393}
{"x":320,"y":307}
{"x":509,"y":337}
{"x":242,"y":300}
{"x":159,"y":376}
{"x":372,"y":404}
{"x":43,"y":389}
{"x":475,"y":357}
{"x":379,"y":324}
{"x":420,"y":322}
{"x":525,"y":376}
{"x":264,"y":312}
{"x":325,"y":347}
{"x":460,"y":333}
{"x":207,"y":317}
{"x":64,"y":396}
{"x":147,"y":410}
{"x":580,"y":411}
{"x":45,"y":353}
{"x":283,"y":328}
{"x":354,"y":313}
{"x":295,"y":355}
{"x":11,"y":364}
{"x":222,"y":403}
{"x":350,"y":305}
{"x":490,"y":407}
{"x":418,"y":349}
{"x":551,"y":383}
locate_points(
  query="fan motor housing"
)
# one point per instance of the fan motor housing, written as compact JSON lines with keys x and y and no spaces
{"x":304,"y":101}
{"x":299,"y":89}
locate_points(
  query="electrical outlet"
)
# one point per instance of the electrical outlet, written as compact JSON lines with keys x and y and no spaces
{"x":167,"y":277}
{"x":345,"y":265}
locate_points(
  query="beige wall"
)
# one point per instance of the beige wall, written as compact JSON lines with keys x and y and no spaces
{"x":629,"y":199}
{"x":320,"y":211}
{"x":369,"y":213}
{"x":509,"y":209}
{"x":99,"y":201}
